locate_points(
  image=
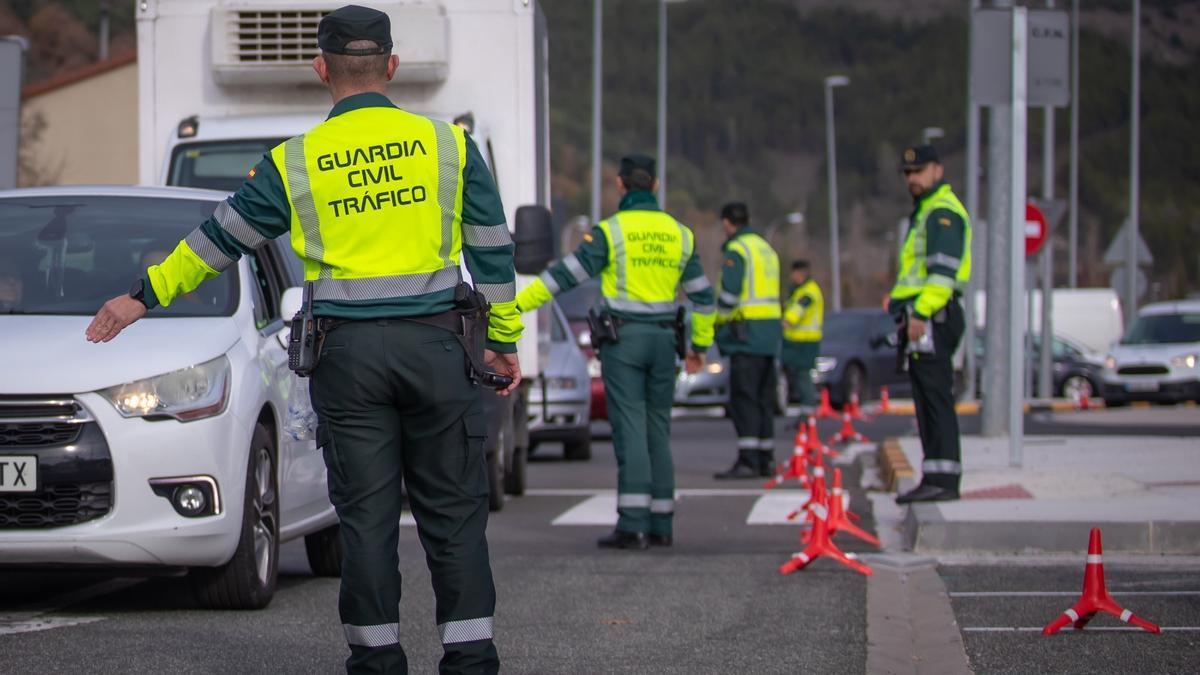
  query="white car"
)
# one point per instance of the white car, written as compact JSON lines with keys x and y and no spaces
{"x":164,"y":447}
{"x":1159,"y":358}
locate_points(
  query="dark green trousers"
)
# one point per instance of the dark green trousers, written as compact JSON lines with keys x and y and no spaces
{"x":394,"y":403}
{"x":639,"y":385}
{"x":799,"y":358}
{"x":752,"y":404}
{"x":932,"y":377}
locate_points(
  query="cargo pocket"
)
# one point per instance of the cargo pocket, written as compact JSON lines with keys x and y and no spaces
{"x":474,"y":469}
{"x":333,"y":466}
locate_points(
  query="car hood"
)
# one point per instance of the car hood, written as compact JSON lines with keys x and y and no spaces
{"x":1158,"y":353}
{"x":49,"y":355}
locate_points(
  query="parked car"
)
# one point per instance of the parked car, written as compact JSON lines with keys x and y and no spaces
{"x":575,"y":304}
{"x":1159,"y":357}
{"x":560,"y":399}
{"x":164,"y":448}
{"x":1077,"y":372}
{"x":856,"y":357}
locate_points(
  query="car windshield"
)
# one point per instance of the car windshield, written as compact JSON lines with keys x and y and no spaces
{"x":1154,"y":329}
{"x":576,"y":302}
{"x":68,"y":254}
{"x":217,"y":165}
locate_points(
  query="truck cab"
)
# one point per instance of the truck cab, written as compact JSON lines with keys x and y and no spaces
{"x":221,"y":82}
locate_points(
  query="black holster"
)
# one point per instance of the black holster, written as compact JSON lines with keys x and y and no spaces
{"x":680,"y":327}
{"x":304,"y":343}
{"x":468,"y":321}
{"x":603,"y":327}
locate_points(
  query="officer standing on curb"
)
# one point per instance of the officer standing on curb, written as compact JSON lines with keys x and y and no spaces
{"x":391,"y":388}
{"x":935,"y":265}
{"x":749,"y":333}
{"x":643,"y":256}
{"x":803,"y":316}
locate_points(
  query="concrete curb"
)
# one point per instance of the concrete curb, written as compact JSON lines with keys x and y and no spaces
{"x":906,"y":407}
{"x":893,"y":464}
{"x":927,"y":531}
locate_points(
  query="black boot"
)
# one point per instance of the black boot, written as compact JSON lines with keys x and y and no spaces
{"x":766,"y":463}
{"x":746,"y":466}
{"x":623,"y":539}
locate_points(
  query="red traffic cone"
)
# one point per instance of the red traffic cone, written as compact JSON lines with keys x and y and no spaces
{"x":884,"y":401}
{"x":854,"y":407}
{"x":838,"y":520}
{"x":816,"y":487}
{"x":825,"y":409}
{"x":1095,"y":597}
{"x":797,"y":466}
{"x":815,"y":446}
{"x":848,"y":432}
{"x":820,"y":544}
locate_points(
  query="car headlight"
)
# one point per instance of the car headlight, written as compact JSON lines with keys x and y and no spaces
{"x":192,"y":393}
{"x":1185,"y":360}
{"x":716,"y":368}
{"x":826,"y":364}
{"x":562,"y":383}
{"x":593,"y":367}
{"x":1110,"y":363}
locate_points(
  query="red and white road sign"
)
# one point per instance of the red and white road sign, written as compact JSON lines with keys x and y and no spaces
{"x":1035,"y":230}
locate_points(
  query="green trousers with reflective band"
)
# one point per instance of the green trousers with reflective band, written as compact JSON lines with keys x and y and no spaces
{"x":799,"y":358}
{"x":752,"y":402}
{"x":932,"y":377}
{"x":394,"y":403}
{"x":639,"y":385}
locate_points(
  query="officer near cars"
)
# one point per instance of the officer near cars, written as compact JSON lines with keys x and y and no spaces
{"x":803,"y":316}
{"x":379,"y":203}
{"x":935,"y":265}
{"x":749,"y":333}
{"x":642,"y":256}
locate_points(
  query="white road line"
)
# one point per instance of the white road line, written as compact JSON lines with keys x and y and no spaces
{"x":37,"y":624}
{"x":773,"y":509}
{"x":1038,"y":629}
{"x":31,"y":620}
{"x":1034,"y":594}
{"x":596,"y":510}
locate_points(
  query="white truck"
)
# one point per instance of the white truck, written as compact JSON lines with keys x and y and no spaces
{"x":221,"y":82}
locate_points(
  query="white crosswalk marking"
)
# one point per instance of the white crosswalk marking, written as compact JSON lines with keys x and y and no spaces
{"x":9,"y":627}
{"x":600,"y":509}
{"x":772,"y":509}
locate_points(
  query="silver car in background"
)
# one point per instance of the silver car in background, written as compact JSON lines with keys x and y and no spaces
{"x":561,"y":398}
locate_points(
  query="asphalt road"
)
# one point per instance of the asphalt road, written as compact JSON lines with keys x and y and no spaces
{"x":714,"y":603}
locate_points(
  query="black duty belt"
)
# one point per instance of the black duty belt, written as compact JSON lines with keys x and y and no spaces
{"x":621,"y":322}
{"x":449,"y":320}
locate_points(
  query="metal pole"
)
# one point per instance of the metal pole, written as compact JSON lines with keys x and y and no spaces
{"x":831,"y":164}
{"x":1045,"y":376}
{"x":1135,"y":121}
{"x":972,"y":194}
{"x":105,"y":7}
{"x":1016,"y":226}
{"x":662,"y":103}
{"x":597,"y":73}
{"x":1073,"y":214}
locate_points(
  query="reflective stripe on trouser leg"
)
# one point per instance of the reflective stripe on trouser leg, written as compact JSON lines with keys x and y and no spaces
{"x":466,"y":630}
{"x":381,"y":635}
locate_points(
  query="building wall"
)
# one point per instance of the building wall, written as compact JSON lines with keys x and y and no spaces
{"x":82,"y":127}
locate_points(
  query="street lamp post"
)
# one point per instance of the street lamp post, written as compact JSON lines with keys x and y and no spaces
{"x":662,"y":101}
{"x":792,"y":219}
{"x":930,"y":133}
{"x":597,"y":92}
{"x":835,"y":264}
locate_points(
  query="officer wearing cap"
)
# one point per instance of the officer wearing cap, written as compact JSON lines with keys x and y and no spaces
{"x":749,"y":333}
{"x":935,"y":265}
{"x":803,"y":317}
{"x":380,"y":203}
{"x":643,"y":256}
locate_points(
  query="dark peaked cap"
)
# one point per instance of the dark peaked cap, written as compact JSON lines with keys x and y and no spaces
{"x":352,"y":22}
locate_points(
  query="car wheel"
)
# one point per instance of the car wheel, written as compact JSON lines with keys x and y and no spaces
{"x":324,"y":551}
{"x":514,"y":476}
{"x":247,"y":581}
{"x":1077,"y":387}
{"x":853,"y":382}
{"x":579,"y":449}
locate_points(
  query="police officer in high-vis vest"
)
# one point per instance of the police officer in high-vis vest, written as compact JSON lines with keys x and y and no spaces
{"x":935,"y":265}
{"x":380,"y":204}
{"x":803,"y":316}
{"x":749,"y":333}
{"x":643,"y":256}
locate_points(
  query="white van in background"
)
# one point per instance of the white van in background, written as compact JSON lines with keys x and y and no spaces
{"x":1088,"y":317}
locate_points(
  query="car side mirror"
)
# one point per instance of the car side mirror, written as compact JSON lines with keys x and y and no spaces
{"x":534,"y":239}
{"x":290,"y":303}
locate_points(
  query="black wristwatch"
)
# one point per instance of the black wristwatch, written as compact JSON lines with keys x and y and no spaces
{"x":138,"y":292}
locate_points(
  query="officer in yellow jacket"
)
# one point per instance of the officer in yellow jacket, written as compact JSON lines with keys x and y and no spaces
{"x":379,"y":203}
{"x":643,"y":256}
{"x":749,"y":333}
{"x":935,"y":265}
{"x":803,"y":317}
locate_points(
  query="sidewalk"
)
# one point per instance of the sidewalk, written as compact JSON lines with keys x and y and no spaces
{"x":1144,"y":492}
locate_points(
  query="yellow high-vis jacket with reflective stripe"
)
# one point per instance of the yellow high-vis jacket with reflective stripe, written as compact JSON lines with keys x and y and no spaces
{"x":804,"y":314}
{"x":380,"y":205}
{"x":935,"y":260}
{"x":643,"y":257}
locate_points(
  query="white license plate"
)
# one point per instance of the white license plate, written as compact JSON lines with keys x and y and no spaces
{"x":1141,"y":386}
{"x":18,"y":473}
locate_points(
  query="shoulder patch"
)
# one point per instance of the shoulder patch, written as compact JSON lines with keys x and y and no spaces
{"x":944,"y":221}
{"x":253,"y":171}
{"x":588,"y":237}
{"x":728,"y":262}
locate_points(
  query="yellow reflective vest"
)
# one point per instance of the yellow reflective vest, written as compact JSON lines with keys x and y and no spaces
{"x":759,"y":295}
{"x":803,"y":323}
{"x":930,"y":275}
